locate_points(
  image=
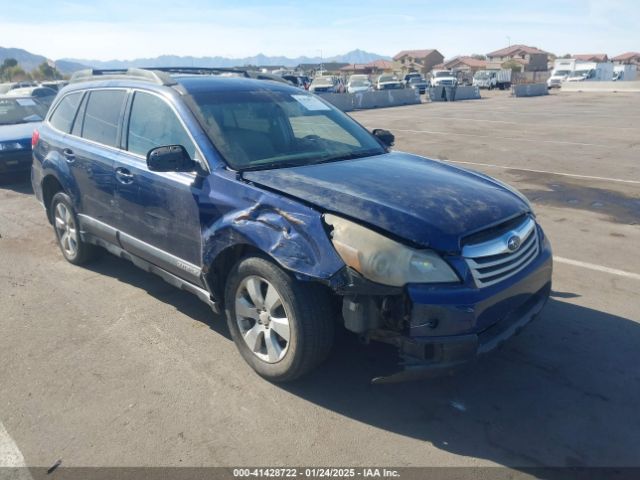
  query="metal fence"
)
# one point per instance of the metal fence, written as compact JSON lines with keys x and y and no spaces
{"x":519,"y":78}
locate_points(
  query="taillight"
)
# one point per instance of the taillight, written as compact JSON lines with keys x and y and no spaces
{"x":34,"y":138}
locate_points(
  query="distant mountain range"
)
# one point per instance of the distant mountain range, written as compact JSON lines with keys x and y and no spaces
{"x":355,"y":56}
{"x":30,"y":61}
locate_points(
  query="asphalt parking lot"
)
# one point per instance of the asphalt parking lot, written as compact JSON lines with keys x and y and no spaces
{"x":109,"y":366}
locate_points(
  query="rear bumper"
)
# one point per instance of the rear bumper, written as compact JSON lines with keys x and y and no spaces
{"x":474,"y":321}
{"x":15,"y":161}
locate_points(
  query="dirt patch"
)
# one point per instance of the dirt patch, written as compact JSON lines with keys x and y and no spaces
{"x":617,"y":206}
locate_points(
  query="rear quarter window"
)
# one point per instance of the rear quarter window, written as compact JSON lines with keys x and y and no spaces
{"x":102,"y":116}
{"x":65,"y":112}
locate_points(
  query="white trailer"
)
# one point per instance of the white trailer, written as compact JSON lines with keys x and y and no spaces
{"x":624,"y":73}
{"x":591,"y":71}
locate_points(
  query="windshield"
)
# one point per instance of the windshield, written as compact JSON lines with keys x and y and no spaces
{"x":359,"y":83}
{"x":275,"y":129}
{"x":561,"y":73}
{"x":481,"y":75}
{"x":20,"y":110}
{"x":388,"y":78}
{"x":443,"y":74}
{"x":416,"y":80}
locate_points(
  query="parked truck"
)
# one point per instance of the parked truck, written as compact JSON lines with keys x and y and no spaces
{"x":562,"y":68}
{"x":491,"y":79}
{"x":443,"y":78}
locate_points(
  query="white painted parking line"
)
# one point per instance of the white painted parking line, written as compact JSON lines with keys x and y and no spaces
{"x":574,"y":175}
{"x":10,"y":455}
{"x":557,"y":142}
{"x":597,"y":268}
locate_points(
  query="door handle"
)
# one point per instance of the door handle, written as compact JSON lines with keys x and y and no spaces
{"x":69,"y":156}
{"x":124,"y":175}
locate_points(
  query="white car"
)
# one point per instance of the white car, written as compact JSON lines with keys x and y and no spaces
{"x":388,"y":82}
{"x":359,"y":83}
{"x":580,"y":75}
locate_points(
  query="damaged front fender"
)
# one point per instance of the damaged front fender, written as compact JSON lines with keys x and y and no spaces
{"x":287,"y":231}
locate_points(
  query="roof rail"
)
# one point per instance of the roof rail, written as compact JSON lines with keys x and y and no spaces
{"x":162,"y":75}
{"x":199,"y":70}
{"x":149,"y":75}
{"x":218,"y":70}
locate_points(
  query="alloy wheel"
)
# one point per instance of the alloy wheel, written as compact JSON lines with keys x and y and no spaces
{"x":66,"y":229}
{"x":262,"y":319}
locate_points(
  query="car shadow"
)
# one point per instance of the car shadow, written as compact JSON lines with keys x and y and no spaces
{"x":184,"y":302}
{"x":18,"y":182}
{"x":564,"y":393}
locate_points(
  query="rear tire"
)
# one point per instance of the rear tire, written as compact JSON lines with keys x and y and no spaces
{"x":67,"y":228}
{"x":283,"y":328}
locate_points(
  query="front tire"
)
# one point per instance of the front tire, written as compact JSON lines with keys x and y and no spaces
{"x":66,"y":226}
{"x":283,"y":328}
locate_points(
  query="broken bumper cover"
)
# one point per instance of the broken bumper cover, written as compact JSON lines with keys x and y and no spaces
{"x":492,"y":314}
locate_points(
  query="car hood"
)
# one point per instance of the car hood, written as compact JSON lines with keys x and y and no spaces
{"x":17,"y":132}
{"x":424,"y":201}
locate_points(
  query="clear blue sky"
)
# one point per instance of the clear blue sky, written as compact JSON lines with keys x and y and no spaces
{"x":108,"y":29}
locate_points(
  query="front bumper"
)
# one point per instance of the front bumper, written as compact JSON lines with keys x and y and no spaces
{"x":451,"y":326}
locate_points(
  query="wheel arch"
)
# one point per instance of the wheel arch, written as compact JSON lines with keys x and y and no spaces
{"x":220,"y":266}
{"x":50,"y":186}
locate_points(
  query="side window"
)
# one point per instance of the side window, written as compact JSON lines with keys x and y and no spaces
{"x":102,"y":115}
{"x":63,"y":116}
{"x":77,"y":124}
{"x":153,"y":123}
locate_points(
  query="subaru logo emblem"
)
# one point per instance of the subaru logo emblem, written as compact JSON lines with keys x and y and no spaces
{"x":513,"y":243}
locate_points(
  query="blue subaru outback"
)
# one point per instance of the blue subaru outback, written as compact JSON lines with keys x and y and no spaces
{"x":279,"y":210}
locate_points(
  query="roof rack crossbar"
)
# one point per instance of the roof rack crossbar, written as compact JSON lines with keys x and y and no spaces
{"x":199,"y":70}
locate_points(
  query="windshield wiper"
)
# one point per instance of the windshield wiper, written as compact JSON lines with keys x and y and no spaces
{"x":346,"y":156}
{"x":313,"y":161}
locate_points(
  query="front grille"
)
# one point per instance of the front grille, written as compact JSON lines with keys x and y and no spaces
{"x":493,"y":261}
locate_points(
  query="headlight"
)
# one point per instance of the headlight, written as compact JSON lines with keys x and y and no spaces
{"x":383,"y":260}
{"x":6,"y":146}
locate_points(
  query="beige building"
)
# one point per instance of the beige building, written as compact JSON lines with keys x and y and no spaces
{"x":629,"y":58}
{"x":531,"y":59}
{"x":591,"y":57}
{"x":372,"y":68}
{"x":465,"y":64}
{"x":421,"y":61}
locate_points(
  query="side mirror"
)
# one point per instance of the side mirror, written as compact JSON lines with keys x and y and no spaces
{"x":385,"y":136}
{"x":170,"y":158}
